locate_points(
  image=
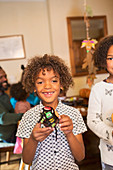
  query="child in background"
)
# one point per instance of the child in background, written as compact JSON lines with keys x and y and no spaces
{"x":46,"y":76}
{"x":100,"y":106}
{"x":32,"y":98}
{"x":17,"y":92}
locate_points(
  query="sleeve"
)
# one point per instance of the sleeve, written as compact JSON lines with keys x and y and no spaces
{"x":24,"y":130}
{"x":78,"y":123}
{"x":7,"y":118}
{"x":94,"y":117}
{"x":13,"y":102}
{"x":27,"y":124}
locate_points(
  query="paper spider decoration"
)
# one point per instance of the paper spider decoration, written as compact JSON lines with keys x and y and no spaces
{"x":48,"y":117}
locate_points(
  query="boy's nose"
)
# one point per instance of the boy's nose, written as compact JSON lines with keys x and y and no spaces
{"x":47,"y":85}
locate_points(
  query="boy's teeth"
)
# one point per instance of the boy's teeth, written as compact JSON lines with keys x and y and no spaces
{"x":49,"y":93}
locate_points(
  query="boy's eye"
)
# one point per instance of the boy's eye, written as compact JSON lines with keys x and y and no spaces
{"x":40,"y":82}
{"x":54,"y":81}
{"x":110,"y":58}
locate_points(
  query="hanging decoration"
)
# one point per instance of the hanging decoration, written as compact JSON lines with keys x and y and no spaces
{"x":89,"y":44}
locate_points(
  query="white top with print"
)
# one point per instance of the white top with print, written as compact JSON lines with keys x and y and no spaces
{"x":99,"y":121}
{"x":52,"y":154}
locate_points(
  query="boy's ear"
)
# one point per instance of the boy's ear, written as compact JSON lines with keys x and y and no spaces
{"x":61,"y":87}
{"x":34,"y":90}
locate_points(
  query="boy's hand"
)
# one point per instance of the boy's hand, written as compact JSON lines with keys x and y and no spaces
{"x":66,"y":124}
{"x":39,"y":134}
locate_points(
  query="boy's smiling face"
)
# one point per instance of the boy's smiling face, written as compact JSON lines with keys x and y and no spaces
{"x":48,"y":86}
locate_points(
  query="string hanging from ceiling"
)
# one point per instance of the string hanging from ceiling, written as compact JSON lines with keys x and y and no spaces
{"x":89,"y":44}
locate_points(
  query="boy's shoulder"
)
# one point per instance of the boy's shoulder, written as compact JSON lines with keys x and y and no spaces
{"x":67,"y":109}
{"x":34,"y":110}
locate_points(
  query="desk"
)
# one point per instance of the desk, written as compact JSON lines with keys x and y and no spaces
{"x":78,"y":102}
{"x":7,"y":147}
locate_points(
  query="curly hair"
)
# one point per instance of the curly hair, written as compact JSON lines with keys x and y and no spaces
{"x":38,"y":63}
{"x":101,"y":51}
{"x":18,"y":92}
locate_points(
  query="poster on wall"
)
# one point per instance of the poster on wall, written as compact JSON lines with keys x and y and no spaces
{"x":12,"y":47}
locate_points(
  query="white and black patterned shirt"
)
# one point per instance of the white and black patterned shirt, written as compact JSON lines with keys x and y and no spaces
{"x":52,"y":154}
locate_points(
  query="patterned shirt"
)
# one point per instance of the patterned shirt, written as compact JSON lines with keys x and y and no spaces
{"x":99,"y":121}
{"x":52,"y":154}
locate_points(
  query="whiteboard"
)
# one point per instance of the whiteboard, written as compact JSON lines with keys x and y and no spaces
{"x":12,"y":47}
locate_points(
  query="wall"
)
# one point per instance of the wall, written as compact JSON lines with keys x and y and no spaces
{"x":43,"y":24}
{"x":59,"y":10}
{"x":29,"y":19}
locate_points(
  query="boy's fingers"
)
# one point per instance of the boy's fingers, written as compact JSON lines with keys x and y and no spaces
{"x":44,"y":129}
{"x":38,"y":125}
{"x":63,"y":118}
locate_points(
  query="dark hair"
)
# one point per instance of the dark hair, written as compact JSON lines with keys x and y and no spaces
{"x":101,"y":51}
{"x":23,"y":68}
{"x":38,"y":63}
{"x":18,"y":92}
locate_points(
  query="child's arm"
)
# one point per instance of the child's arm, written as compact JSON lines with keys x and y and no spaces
{"x":75,"y":142}
{"x":30,"y":145}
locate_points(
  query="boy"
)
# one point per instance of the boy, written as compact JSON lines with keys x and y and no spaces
{"x":47,"y":75}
